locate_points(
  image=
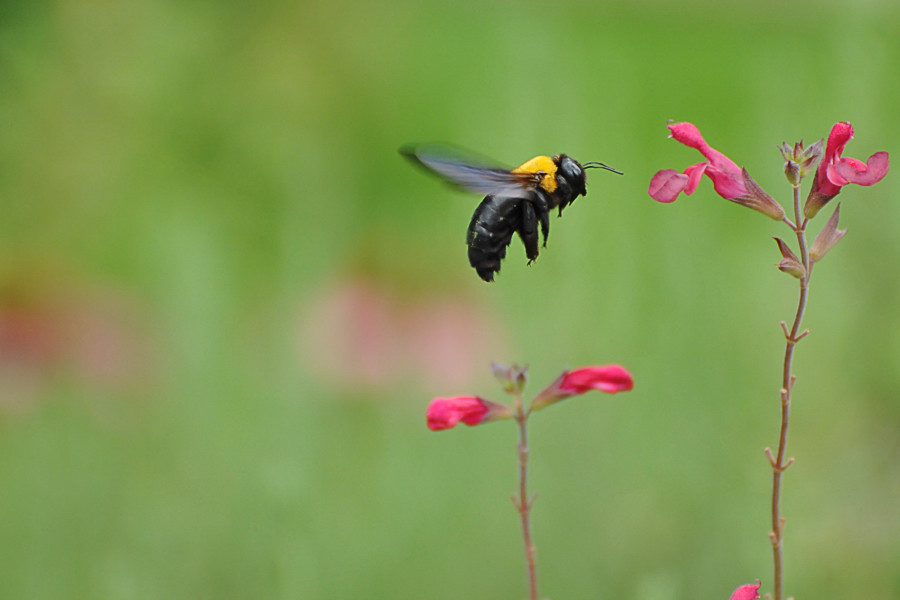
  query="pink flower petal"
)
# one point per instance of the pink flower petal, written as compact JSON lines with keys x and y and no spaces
{"x":666,"y":185}
{"x":694,"y":173}
{"x":609,"y":379}
{"x":831,"y":171}
{"x":840,"y":134}
{"x":824,"y":177}
{"x":828,"y":180}
{"x":869,"y":173}
{"x":746,"y":592}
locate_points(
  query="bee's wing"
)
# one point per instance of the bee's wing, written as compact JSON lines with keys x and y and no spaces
{"x":469,"y":172}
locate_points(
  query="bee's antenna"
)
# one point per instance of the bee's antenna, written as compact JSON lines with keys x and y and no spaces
{"x":599,"y":165}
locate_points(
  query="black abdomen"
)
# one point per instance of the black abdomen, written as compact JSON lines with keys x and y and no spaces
{"x":493,"y":225}
{"x":490,"y":232}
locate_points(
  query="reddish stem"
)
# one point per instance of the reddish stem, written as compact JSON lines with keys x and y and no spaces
{"x":523,"y":504}
{"x":779,"y":465}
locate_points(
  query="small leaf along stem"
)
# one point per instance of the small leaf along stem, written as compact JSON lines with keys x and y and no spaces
{"x":522,"y":502}
{"x":792,"y":336}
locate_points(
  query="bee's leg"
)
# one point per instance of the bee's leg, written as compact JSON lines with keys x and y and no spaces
{"x":528,"y":230}
{"x":544,"y":216}
{"x":542,"y":211}
{"x":564,"y":192}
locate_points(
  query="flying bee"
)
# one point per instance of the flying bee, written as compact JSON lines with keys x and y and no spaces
{"x":516,"y":200}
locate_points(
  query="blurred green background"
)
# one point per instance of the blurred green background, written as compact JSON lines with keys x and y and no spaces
{"x":225,"y":302}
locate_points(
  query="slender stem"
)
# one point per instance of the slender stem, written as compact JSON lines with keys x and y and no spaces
{"x":523,"y":503}
{"x":779,"y":465}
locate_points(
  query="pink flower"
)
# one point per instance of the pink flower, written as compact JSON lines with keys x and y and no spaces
{"x":610,"y":379}
{"x":445,"y":413}
{"x":727,"y":177}
{"x":836,"y":171}
{"x":746,"y":592}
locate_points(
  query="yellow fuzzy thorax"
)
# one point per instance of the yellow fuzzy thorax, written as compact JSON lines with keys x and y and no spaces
{"x":541,"y":164}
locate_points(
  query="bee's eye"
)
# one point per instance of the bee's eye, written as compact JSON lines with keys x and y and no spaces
{"x":571,"y":169}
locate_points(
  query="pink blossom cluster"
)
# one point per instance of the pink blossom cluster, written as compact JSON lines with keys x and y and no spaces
{"x":447,"y":412}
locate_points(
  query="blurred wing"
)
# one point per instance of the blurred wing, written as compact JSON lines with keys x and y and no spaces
{"x":469,"y":172}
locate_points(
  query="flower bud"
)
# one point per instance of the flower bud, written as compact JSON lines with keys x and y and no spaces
{"x":792,"y":172}
{"x":800,"y":161}
{"x":789,"y":264}
{"x":828,"y":237}
{"x":513,"y":379}
{"x":809,"y":158}
{"x":786,"y":151}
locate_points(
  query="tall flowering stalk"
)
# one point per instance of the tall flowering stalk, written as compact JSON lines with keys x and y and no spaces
{"x":446,"y":413}
{"x":831,"y":173}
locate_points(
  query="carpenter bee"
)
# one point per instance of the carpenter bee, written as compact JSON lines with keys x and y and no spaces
{"x":516,"y":200}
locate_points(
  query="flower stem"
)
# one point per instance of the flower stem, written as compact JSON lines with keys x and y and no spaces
{"x":522,"y":502}
{"x":779,"y":465}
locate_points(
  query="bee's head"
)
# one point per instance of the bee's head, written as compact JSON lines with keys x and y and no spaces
{"x":573,"y":173}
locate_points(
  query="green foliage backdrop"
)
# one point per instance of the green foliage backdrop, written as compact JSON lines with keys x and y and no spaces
{"x":225,"y":301}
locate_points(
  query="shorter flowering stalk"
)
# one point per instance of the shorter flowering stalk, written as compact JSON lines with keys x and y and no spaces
{"x":445,"y":413}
